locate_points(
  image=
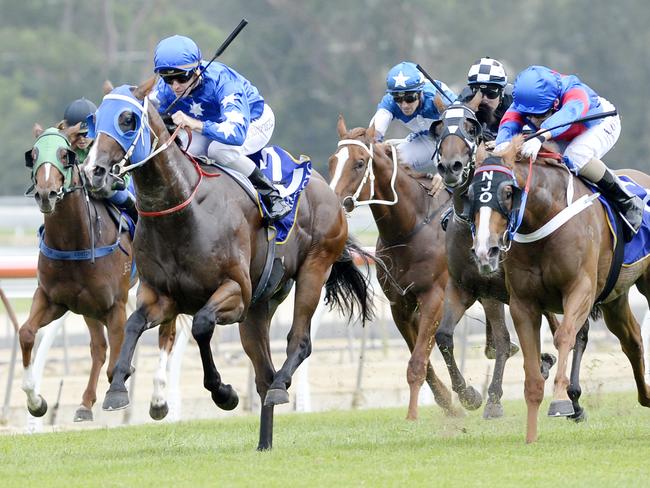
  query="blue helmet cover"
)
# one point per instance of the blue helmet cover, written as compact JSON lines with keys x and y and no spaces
{"x":106,"y":120}
{"x":404,"y":77}
{"x":536,"y":89}
{"x":176,"y":52}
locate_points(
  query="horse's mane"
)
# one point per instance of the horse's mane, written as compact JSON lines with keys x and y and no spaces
{"x":511,"y":153}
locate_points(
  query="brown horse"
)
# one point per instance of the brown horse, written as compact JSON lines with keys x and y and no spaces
{"x":84,"y":265}
{"x":460,"y":142}
{"x":560,"y":265}
{"x":410,"y":242}
{"x":202,"y":246}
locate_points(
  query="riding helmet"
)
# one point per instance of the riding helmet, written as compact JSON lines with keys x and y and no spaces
{"x":404,"y":77}
{"x":536,"y":90}
{"x":176,"y":53}
{"x":487,"y":71}
{"x":78,"y":111}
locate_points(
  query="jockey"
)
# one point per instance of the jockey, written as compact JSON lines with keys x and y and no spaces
{"x":409,"y":99}
{"x":544,"y":98}
{"x":488,"y":76}
{"x":76,"y":113}
{"x":228,"y":117}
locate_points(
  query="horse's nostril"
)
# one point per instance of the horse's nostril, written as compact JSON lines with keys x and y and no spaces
{"x":458,"y":166}
{"x":441,"y":168}
{"x":493,"y":252}
{"x":37,"y":197}
{"x":99,"y":171}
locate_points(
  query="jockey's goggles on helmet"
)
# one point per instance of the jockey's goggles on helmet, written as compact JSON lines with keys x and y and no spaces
{"x":490,"y":91}
{"x":169,"y":76}
{"x":408,"y":97}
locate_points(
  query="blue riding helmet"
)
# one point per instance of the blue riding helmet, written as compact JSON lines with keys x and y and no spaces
{"x":536,"y":90}
{"x":176,"y":53}
{"x":404,"y":77}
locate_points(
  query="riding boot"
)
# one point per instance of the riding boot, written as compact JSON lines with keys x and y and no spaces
{"x":275,"y":205}
{"x":129,"y":207}
{"x":628,"y":205}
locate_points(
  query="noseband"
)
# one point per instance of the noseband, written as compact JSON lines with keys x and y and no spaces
{"x":370,"y":175}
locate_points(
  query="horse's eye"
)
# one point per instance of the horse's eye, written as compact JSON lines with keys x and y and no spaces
{"x":508,"y":193}
{"x":358,"y":164}
{"x":126,"y":121}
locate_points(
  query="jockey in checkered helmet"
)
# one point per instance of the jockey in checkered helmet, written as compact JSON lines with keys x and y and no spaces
{"x":488,"y":76}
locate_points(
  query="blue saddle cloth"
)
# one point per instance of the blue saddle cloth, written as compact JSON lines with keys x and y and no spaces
{"x":639,"y":247}
{"x":290,"y":176}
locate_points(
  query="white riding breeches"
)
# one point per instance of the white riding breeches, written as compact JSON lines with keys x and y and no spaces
{"x":417,"y":152}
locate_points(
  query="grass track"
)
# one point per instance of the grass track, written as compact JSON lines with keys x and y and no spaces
{"x":340,"y":449}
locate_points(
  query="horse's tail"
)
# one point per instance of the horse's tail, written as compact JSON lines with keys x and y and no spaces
{"x":347,"y":287}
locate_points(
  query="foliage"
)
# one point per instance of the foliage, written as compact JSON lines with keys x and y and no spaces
{"x":311,"y":59}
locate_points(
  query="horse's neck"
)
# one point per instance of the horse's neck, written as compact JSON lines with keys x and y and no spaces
{"x":412,"y":206}
{"x":68,"y":227}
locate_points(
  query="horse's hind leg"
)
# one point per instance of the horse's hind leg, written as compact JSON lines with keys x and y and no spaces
{"x":158,"y":407}
{"x":98,"y":349}
{"x":41,"y":313}
{"x":457,"y":301}
{"x":621,"y":322}
{"x":574,"y":389}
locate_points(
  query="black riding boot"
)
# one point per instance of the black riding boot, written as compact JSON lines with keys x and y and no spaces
{"x":129,"y":207}
{"x":628,"y":204}
{"x":275,"y":204}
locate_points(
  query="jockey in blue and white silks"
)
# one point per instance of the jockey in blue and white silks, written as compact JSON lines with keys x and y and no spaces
{"x":229,"y":118}
{"x":544,"y":98}
{"x":409,"y":100}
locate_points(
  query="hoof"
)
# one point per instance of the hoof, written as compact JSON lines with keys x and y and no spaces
{"x":83,"y":414}
{"x":514,"y":349}
{"x":560,"y":408}
{"x":40,"y":411}
{"x":579,"y":416}
{"x":492,"y":411}
{"x":276,"y":396}
{"x":548,"y":360}
{"x":158,"y":412}
{"x":490,"y":352}
{"x":116,"y":400}
{"x":225,"y":398}
{"x":470,"y":398}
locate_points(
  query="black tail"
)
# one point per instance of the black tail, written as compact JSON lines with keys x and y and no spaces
{"x":347,"y":288}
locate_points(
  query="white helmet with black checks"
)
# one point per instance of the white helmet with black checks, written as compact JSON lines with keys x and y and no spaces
{"x":487,"y":71}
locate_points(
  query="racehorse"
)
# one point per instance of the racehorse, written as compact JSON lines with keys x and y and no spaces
{"x":84,"y":264}
{"x":554,"y":262}
{"x":410,"y":242}
{"x":201,"y":248}
{"x":459,"y":140}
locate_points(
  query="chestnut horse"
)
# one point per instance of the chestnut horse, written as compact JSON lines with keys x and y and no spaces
{"x":201,"y":248}
{"x":84,"y":265}
{"x":553,"y":262}
{"x":460,"y":141}
{"x":410,"y":243}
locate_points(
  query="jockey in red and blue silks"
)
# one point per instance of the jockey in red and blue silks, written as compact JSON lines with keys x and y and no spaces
{"x":409,"y":100}
{"x":544,"y":98}
{"x":226,"y":113}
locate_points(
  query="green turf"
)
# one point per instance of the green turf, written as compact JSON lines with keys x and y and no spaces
{"x":340,"y":449}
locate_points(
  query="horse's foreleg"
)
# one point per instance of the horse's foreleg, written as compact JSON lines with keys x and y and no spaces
{"x":98,"y":348}
{"x":494,"y":313}
{"x":574,"y":391}
{"x":527,"y":322}
{"x":158,"y":407}
{"x":577,"y":306}
{"x":457,"y":301}
{"x":225,"y":306}
{"x":41,"y":313}
{"x":621,"y":322}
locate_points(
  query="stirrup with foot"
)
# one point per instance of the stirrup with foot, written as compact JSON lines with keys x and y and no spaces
{"x":628,"y":204}
{"x":276,"y":206}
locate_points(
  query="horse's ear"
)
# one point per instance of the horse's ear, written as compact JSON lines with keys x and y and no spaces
{"x":475,"y":101}
{"x":340,"y":127}
{"x":37,"y":130}
{"x":144,"y":88}
{"x":371,"y":132}
{"x":439,"y":104}
{"x":107,"y":86}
